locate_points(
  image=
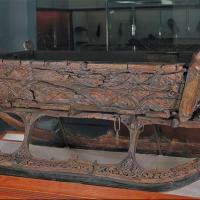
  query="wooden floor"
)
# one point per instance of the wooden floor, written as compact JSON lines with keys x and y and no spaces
{"x":24,"y":188}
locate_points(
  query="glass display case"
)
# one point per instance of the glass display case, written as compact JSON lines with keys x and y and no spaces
{"x":163,"y":25}
{"x":89,"y":28}
{"x":54,"y":30}
{"x":121,"y":25}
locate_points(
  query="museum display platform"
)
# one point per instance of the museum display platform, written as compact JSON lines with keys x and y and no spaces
{"x":26,"y":188}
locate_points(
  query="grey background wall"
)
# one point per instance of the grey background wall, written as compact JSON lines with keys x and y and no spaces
{"x":17,"y":24}
{"x":18,"y":19}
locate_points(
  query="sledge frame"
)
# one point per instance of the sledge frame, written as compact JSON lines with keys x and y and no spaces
{"x":127,"y":173}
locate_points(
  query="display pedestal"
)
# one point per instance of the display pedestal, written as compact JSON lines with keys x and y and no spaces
{"x":25,"y":188}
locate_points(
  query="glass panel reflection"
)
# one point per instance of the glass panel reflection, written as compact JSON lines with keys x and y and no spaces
{"x":163,"y":25}
{"x":89,"y":30}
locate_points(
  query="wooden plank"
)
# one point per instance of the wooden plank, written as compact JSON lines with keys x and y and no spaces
{"x":141,"y":88}
{"x":191,"y":91}
{"x":24,"y":188}
{"x":11,"y":121}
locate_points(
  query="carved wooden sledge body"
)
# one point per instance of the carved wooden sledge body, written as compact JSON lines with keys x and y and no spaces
{"x":135,"y":94}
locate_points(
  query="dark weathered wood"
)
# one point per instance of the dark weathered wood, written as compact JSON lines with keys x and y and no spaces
{"x":11,"y":121}
{"x":135,"y":89}
{"x":19,"y":125}
{"x":135,"y":94}
{"x":191,"y":93}
{"x":102,"y":56}
{"x":145,"y":145}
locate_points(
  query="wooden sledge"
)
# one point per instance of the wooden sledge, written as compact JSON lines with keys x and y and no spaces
{"x":133,"y":94}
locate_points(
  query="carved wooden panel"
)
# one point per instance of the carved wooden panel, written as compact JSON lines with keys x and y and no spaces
{"x":139,"y":88}
{"x":96,"y":90}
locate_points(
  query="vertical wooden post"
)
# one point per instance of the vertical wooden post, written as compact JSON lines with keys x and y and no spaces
{"x":191,"y":91}
{"x":22,"y":154}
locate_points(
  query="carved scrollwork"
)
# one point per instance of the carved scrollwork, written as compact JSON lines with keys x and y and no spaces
{"x":155,"y":88}
{"x":22,"y":155}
